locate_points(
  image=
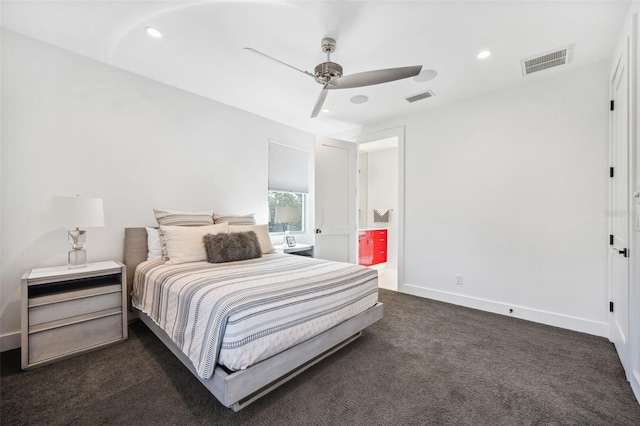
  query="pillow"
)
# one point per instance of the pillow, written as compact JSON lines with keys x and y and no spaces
{"x":180,"y":218}
{"x":185,"y":244}
{"x":153,"y":244}
{"x":234,"y":219}
{"x":262,"y":232}
{"x":222,"y":248}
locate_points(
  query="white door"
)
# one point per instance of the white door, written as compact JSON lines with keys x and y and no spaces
{"x":336,"y":167}
{"x":619,"y":213}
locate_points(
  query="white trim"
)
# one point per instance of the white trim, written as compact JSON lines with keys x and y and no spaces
{"x":10,"y":341}
{"x":635,"y":384}
{"x":634,"y":284}
{"x":549,"y":318}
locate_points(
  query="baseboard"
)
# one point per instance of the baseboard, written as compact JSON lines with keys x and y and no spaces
{"x":549,"y":318}
{"x":10,"y":341}
{"x":635,"y":384}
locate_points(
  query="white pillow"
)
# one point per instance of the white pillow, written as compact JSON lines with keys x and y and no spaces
{"x":185,"y":243}
{"x":262,"y":231}
{"x":153,"y":244}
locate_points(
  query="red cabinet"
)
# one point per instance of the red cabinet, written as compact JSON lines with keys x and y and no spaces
{"x":372,"y":247}
{"x":365,"y":249}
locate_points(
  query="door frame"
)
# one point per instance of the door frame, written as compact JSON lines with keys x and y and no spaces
{"x":634,"y":189}
{"x":397,"y":132}
{"x":619,"y":214}
{"x":630,"y":39}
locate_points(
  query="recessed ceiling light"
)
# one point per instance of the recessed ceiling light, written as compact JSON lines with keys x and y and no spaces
{"x":359,"y":99}
{"x":153,"y":32}
{"x":484,"y":54}
{"x":326,"y":110}
{"x":426,"y":75}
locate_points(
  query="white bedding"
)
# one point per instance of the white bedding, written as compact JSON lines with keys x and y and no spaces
{"x":239,"y":313}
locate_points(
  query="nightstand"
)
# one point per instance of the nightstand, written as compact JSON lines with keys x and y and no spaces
{"x":299,"y":249}
{"x":66,"y":312}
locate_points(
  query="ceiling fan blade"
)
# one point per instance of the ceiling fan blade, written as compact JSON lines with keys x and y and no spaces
{"x":257,"y":52}
{"x":320,"y":102}
{"x":369,"y":78}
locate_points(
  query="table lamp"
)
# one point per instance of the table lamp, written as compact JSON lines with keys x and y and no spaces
{"x":286,"y":215}
{"x":78,"y":212}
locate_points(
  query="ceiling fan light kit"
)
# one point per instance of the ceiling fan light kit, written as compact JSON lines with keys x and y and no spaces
{"x":327,"y":72}
{"x":330,"y":74}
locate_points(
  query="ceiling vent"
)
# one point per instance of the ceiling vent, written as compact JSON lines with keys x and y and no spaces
{"x":551,"y":59}
{"x":420,"y":96}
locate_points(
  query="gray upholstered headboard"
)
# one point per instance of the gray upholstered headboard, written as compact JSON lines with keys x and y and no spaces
{"x":135,"y":252}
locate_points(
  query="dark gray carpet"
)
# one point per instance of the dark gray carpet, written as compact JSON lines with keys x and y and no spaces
{"x":426,"y":362}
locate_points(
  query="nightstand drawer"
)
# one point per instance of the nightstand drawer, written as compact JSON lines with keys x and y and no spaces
{"x":42,"y":309}
{"x":68,"y":339}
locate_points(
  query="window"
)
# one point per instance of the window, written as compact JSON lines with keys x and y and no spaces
{"x":288,"y":188}
{"x":292,"y":199}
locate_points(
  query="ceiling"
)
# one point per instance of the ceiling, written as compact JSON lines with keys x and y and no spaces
{"x":201,"y":50}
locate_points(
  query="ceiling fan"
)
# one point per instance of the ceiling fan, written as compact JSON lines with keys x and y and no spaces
{"x":329,"y":74}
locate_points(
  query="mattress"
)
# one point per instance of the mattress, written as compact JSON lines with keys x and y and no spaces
{"x":239,"y":313}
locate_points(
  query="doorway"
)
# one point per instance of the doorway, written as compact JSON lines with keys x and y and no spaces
{"x":381,"y":203}
{"x":378,"y":209}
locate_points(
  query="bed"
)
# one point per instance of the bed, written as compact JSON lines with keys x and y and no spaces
{"x":267,"y":319}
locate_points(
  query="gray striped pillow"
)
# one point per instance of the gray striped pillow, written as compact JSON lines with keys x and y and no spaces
{"x":180,"y":218}
{"x":235,"y":219}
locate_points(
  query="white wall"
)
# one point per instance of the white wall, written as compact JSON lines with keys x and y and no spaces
{"x":510,"y":190}
{"x":363,"y":206}
{"x":71,"y":125}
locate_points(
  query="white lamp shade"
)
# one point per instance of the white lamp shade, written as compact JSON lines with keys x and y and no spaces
{"x":78,"y":212}
{"x":286,"y":214}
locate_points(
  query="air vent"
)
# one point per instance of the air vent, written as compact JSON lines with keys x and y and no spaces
{"x":420,"y":96}
{"x":547,"y":60}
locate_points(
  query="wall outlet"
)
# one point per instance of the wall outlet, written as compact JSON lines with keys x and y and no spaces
{"x":459,"y":279}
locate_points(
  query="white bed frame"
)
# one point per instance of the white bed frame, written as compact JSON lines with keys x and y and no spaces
{"x":240,"y":388}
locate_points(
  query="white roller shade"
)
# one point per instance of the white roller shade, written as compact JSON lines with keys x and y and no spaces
{"x":288,"y":168}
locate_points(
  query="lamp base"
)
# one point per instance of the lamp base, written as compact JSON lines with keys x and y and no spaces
{"x":77,"y":258}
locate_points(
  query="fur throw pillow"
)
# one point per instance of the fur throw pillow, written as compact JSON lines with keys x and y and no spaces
{"x":232,"y":247}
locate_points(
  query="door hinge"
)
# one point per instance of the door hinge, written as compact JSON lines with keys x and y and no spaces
{"x":610,"y":240}
{"x":610,"y":171}
{"x":611,"y":105}
{"x":610,"y":306}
